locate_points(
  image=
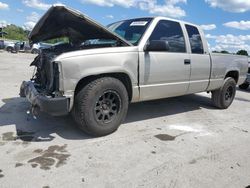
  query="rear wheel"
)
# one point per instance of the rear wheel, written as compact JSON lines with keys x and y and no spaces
{"x":244,"y":86}
{"x":223,"y":97}
{"x":101,"y":106}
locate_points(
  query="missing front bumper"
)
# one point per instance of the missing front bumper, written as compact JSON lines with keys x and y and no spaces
{"x":57,"y":106}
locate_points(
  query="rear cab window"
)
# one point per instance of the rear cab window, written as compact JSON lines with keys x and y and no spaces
{"x":195,"y":39}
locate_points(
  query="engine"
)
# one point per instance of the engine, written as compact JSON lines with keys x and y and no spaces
{"x":46,"y":77}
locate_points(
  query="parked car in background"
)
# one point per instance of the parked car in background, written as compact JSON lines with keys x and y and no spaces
{"x":42,"y":45}
{"x":246,"y":84}
{"x":134,"y":60}
{"x":13,"y":47}
{"x":24,"y":46}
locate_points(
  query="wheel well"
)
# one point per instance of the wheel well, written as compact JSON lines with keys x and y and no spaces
{"x":124,"y":78}
{"x":234,"y":75}
{"x":9,"y":47}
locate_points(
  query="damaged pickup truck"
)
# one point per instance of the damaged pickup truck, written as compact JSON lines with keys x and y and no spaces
{"x":100,"y":70}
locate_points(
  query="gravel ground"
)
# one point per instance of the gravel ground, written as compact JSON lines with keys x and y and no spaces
{"x":177,"y":142}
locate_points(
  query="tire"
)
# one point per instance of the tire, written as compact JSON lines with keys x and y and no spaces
{"x":101,"y":106}
{"x":244,"y":86}
{"x":223,"y":97}
{"x":9,"y":49}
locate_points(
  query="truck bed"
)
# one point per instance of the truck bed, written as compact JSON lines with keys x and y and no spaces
{"x":224,"y":63}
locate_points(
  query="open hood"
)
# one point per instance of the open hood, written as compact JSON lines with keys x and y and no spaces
{"x":60,"y":21}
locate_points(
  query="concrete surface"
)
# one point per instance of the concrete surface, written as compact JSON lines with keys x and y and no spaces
{"x":178,"y":142}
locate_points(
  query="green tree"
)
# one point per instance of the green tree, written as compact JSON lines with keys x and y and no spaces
{"x":16,"y":33}
{"x":224,"y":52}
{"x":242,"y":52}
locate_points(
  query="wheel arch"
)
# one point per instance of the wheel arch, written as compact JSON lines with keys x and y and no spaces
{"x":9,"y":47}
{"x":233,"y":74}
{"x":123,"y":77}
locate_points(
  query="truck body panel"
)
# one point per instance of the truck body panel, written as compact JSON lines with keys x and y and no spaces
{"x":96,"y":62}
{"x":223,"y":64}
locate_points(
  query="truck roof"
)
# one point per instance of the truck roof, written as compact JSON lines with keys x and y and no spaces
{"x":181,"y":21}
{"x":161,"y":18}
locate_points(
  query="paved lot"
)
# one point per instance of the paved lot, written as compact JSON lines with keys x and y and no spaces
{"x":178,"y":142}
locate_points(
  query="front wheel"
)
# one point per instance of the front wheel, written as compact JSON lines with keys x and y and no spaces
{"x":101,"y":106}
{"x":223,"y":97}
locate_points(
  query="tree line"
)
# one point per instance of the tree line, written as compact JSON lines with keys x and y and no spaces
{"x":18,"y":33}
{"x":240,"y":52}
{"x":14,"y":32}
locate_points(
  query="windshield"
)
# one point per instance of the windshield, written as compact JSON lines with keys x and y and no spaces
{"x":131,"y":30}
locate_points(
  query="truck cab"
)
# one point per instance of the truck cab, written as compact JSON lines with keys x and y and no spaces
{"x":182,"y":67}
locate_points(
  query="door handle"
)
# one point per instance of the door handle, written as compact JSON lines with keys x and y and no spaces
{"x":187,"y":61}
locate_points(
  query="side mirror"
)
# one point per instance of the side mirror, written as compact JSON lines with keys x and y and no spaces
{"x":157,"y":45}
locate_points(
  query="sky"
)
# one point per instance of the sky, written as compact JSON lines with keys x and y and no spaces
{"x":226,"y":23}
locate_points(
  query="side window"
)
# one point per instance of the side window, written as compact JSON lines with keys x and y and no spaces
{"x":195,"y":40}
{"x":171,"y":32}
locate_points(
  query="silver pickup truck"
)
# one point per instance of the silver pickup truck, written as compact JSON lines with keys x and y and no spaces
{"x":100,"y":70}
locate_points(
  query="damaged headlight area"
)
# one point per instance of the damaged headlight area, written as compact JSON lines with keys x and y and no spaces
{"x":43,"y":89}
{"x":46,"y":74}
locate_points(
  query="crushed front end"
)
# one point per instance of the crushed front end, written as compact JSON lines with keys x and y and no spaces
{"x":42,"y":90}
{"x":61,"y":22}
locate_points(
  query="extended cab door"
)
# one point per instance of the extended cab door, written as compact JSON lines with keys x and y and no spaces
{"x":164,"y":73}
{"x":200,"y":60}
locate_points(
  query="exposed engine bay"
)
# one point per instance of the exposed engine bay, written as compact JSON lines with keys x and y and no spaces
{"x":46,"y":74}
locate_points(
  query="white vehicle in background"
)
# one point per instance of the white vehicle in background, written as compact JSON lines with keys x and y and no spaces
{"x":38,"y":46}
{"x":17,"y":46}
